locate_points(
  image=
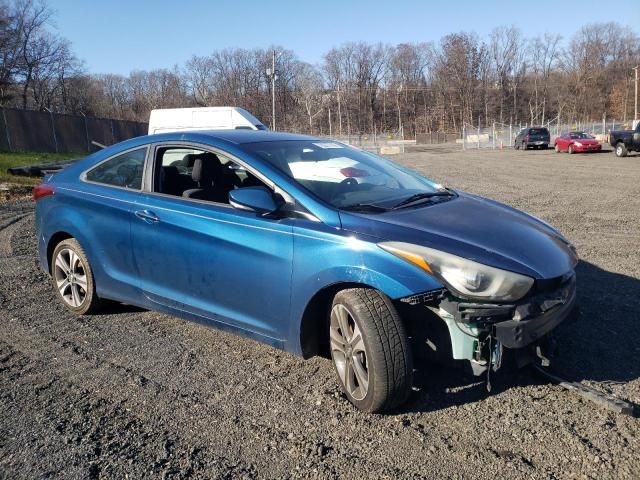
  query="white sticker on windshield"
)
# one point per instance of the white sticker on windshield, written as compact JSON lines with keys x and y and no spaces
{"x":328,"y":145}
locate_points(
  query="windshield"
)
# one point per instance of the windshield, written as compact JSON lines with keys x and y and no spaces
{"x":577,"y":135}
{"x":341,"y":175}
{"x":539,"y":131}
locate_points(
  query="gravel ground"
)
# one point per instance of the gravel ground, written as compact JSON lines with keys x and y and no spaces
{"x":131,"y":393}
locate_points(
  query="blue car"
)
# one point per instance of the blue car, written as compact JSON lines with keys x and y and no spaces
{"x":309,"y":245}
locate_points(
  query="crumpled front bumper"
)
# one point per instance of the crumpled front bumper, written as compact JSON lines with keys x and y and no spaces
{"x":520,"y":333}
{"x":513,"y":326}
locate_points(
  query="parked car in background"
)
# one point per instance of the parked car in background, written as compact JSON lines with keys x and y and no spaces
{"x":311,"y":246}
{"x":573,"y":142}
{"x":536,"y":137}
{"x":624,"y":141}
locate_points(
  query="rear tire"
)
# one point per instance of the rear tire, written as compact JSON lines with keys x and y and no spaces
{"x":621,"y":150}
{"x":556,"y":148}
{"x":72,"y":278}
{"x":370,"y":350}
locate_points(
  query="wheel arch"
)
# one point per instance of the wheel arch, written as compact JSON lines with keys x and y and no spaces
{"x":53,"y":242}
{"x":314,"y":325}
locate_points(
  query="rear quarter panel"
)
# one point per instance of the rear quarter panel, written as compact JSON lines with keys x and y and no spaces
{"x":98,"y":217}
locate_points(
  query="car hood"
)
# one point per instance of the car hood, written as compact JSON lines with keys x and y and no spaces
{"x":476,"y":228}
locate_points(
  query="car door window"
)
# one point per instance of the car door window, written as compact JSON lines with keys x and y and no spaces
{"x":124,"y":170}
{"x":198,"y":174}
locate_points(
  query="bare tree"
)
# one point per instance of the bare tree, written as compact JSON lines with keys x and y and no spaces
{"x":506,"y":49}
{"x":309,"y":91}
{"x":544,"y":53}
{"x":362,"y":87}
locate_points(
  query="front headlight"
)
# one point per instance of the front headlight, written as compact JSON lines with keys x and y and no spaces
{"x":465,"y":277}
{"x":577,"y":144}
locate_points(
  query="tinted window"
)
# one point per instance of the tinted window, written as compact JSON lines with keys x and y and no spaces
{"x":122,"y":171}
{"x":539,"y":131}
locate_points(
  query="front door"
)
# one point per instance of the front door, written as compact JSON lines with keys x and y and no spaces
{"x":210,"y":259}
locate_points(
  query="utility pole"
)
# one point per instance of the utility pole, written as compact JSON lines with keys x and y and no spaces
{"x":635,"y":111}
{"x":271,"y":72}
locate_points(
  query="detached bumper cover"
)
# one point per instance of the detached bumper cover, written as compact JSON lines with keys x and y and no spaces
{"x":520,"y":333}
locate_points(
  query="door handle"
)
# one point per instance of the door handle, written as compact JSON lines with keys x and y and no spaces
{"x":147,"y":215}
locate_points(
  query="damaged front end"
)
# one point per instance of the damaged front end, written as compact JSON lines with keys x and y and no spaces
{"x":479,"y":332}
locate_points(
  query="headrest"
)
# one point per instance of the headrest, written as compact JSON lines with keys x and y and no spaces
{"x":189,"y":159}
{"x":205,"y":170}
{"x":169,"y":173}
{"x":211,"y":158}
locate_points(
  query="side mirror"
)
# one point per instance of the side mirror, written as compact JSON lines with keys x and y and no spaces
{"x":255,"y":199}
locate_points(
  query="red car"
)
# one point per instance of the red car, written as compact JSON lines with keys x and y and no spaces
{"x":577,"y":142}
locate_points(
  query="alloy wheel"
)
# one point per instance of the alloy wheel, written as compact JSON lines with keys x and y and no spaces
{"x":71,"y":277}
{"x":348,"y":352}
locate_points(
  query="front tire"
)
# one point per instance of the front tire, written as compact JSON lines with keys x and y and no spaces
{"x":621,"y":150}
{"x":73,"y":278}
{"x":570,"y":150}
{"x":370,"y":350}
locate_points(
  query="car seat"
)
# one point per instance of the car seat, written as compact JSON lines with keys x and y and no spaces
{"x":207,"y":173}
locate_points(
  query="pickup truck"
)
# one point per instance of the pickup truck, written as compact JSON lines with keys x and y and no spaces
{"x":624,"y":141}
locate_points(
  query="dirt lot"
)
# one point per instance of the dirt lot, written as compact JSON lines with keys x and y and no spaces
{"x":138,"y":394}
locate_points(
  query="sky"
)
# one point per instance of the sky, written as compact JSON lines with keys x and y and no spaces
{"x":118,"y":36}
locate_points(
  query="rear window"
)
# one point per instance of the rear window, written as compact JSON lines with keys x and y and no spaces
{"x":125,"y":170}
{"x":538,"y":131}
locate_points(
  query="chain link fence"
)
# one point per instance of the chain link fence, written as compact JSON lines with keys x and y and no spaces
{"x":382,"y":143}
{"x":33,"y":131}
{"x":499,"y":135}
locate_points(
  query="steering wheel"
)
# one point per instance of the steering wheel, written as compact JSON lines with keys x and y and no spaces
{"x":349,"y":181}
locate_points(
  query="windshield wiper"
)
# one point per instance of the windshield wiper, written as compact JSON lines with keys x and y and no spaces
{"x":364,"y":207}
{"x":422,"y":196}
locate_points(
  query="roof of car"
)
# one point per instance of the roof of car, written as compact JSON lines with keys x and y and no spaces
{"x":235,"y":136}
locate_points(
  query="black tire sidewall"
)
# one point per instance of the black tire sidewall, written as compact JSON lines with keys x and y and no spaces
{"x":365,"y":403}
{"x":376,"y":399}
{"x":91,"y":300}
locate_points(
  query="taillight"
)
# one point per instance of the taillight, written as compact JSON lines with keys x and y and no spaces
{"x":43,"y":190}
